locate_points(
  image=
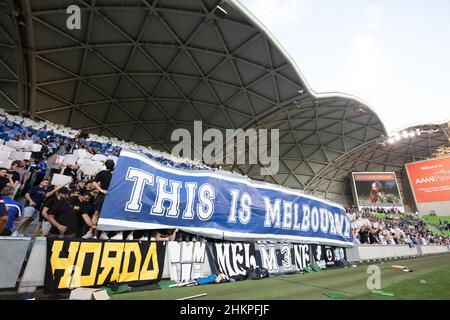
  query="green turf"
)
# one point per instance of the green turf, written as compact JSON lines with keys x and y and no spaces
{"x":432,"y":285}
{"x":381,"y":216}
{"x":341,"y":282}
{"x":435,"y":222}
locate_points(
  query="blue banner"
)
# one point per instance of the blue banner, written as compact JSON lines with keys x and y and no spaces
{"x":145,"y":194}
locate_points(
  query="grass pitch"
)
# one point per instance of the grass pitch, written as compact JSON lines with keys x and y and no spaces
{"x":430,"y":280}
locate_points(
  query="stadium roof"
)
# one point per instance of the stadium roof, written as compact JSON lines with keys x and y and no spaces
{"x":138,"y":69}
{"x":379,"y":155}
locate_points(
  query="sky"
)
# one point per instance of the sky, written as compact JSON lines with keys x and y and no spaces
{"x":394,"y":54}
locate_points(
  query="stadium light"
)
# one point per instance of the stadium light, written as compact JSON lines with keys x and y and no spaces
{"x":405,"y":134}
{"x":391,"y":140}
{"x":220,"y":12}
{"x":397,"y":137}
{"x":412,"y":134}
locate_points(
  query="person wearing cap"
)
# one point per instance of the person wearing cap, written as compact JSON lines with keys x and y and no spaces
{"x":61,"y":216}
{"x":84,"y":210}
{"x":50,"y":199}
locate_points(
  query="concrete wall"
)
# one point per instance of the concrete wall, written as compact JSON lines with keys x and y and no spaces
{"x":12,"y":255}
{"x":378,"y":252}
{"x":440,"y":208}
{"x":34,"y":273}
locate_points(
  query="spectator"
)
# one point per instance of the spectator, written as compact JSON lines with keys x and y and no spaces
{"x":364,"y":235}
{"x":356,"y":239}
{"x":35,"y":199}
{"x":78,"y":187}
{"x":62,"y":150}
{"x":166,"y":234}
{"x":62,"y":217}
{"x":5,"y":179}
{"x":101,"y":184}
{"x":23,"y":174}
{"x":43,"y":223}
{"x":72,"y":171}
{"x":41,"y":171}
{"x":15,"y":176}
{"x":382,"y":238}
{"x":3,"y":216}
{"x":14,"y":209}
{"x":84,"y":210}
{"x":373,"y":239}
{"x":90,"y":186}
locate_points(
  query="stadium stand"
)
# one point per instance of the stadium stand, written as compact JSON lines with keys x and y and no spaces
{"x":20,"y":135}
{"x":45,"y":132}
{"x":375,"y":228}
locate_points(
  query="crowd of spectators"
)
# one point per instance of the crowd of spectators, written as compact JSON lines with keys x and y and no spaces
{"x":395,"y":229}
{"x":64,"y":211}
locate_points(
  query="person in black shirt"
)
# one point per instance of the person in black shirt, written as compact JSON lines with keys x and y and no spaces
{"x":5,"y":179}
{"x":90,"y":186}
{"x":62,"y":217}
{"x":35,"y":198}
{"x":101,"y":184}
{"x":364,"y":235}
{"x":72,"y":171}
{"x":77,"y":188}
{"x":15,"y":176}
{"x":372,"y":236}
{"x":49,"y":201}
{"x":103,"y":178}
{"x":84,"y":210}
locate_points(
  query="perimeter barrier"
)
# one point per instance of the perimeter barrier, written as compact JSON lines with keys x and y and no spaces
{"x":23,"y":260}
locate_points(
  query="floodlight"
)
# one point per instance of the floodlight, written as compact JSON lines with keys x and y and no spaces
{"x":220,"y":12}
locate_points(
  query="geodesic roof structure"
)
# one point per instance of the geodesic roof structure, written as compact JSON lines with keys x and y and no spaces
{"x":314,"y":133}
{"x":138,"y":69}
{"x":11,"y":90}
{"x":379,"y":155}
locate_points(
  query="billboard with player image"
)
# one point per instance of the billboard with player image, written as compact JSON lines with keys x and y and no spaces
{"x":376,"y":190}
